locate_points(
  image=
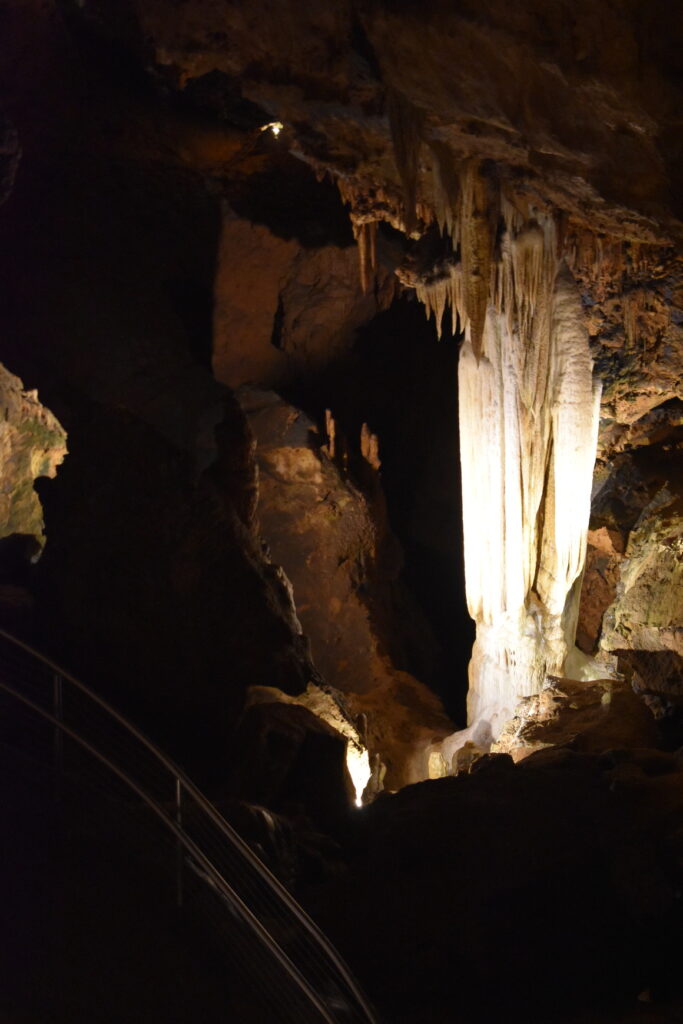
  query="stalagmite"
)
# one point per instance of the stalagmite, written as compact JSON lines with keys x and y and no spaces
{"x":369,"y":447}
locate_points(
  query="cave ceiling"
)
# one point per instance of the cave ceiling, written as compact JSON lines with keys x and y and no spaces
{"x":577,"y":104}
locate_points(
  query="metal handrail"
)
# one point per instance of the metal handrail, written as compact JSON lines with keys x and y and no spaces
{"x":335,"y":969}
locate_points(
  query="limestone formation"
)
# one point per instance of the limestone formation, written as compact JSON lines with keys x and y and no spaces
{"x":645,"y":621}
{"x":321,"y":529}
{"x":32,"y":444}
{"x":589,"y":716}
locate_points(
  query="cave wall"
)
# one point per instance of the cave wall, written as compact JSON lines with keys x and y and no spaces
{"x":335,"y":546}
{"x":153,"y":586}
{"x":144,"y":168}
{"x":467,"y":120}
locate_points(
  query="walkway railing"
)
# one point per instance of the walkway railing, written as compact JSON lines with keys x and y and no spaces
{"x":297,"y":970}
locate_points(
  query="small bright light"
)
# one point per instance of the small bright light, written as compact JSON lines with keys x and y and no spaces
{"x":275,"y":127}
{"x":358,"y":763}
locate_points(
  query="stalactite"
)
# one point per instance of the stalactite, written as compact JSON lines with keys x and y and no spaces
{"x":475,"y":237}
{"x":365,"y":233}
{"x":469,"y":212}
{"x":330,"y":431}
{"x":446,"y":187}
{"x":369,"y":204}
{"x":443,"y":291}
{"x":405,"y":123}
{"x":368,"y":201}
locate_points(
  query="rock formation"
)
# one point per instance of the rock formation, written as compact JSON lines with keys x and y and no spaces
{"x":547,"y":245}
{"x":536,"y":204}
{"x":322,"y":531}
{"x":32,"y":444}
{"x":231,"y":234}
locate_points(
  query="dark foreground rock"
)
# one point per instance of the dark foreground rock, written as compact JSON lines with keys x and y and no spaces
{"x":534,"y":892}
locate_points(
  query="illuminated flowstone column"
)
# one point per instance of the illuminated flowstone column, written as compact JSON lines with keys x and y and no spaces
{"x":529,"y":414}
{"x":528,"y":432}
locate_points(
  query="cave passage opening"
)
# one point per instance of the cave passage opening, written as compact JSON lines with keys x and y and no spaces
{"x":400,"y":381}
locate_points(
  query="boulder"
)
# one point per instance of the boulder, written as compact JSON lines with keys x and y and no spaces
{"x":590,"y":716}
{"x":290,"y":761}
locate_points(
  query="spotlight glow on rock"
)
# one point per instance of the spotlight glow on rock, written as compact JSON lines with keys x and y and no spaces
{"x":275,"y":127}
{"x":358,"y":763}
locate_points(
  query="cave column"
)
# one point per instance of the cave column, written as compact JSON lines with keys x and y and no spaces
{"x":528,"y":433}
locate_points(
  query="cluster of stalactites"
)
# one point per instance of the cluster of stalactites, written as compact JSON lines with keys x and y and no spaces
{"x":510,"y":268}
{"x":468,"y":206}
{"x":368,"y":206}
{"x":446,"y":292}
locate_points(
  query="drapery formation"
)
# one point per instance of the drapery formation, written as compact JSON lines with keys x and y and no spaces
{"x":529,"y":412}
{"x":529,"y":415}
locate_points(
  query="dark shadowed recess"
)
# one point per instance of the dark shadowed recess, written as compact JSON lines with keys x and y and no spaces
{"x":402,"y":382}
{"x":285,"y":195}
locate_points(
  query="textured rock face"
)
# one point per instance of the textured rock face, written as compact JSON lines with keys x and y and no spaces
{"x":155,"y":591}
{"x":594,"y":716}
{"x":501,"y":143}
{"x":321,"y":530}
{"x":282,"y":311}
{"x":644,"y":624}
{"x":633,"y":302}
{"x":632,"y":604}
{"x":32,"y":444}
{"x":544,"y":151}
{"x":648,"y":611}
{"x":166,"y":576}
{"x":605,"y":550}
{"x":581,"y":105}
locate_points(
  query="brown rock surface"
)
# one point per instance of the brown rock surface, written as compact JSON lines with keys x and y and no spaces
{"x":281,"y":310}
{"x":588,"y":716}
{"x":322,"y":531}
{"x":558,"y":101}
{"x":157,"y":592}
{"x":603,"y":555}
{"x":648,"y":611}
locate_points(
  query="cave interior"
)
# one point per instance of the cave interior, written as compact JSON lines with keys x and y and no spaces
{"x":340,"y":369}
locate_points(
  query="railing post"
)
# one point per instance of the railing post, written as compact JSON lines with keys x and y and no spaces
{"x":179,"y":845}
{"x":58,"y":739}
